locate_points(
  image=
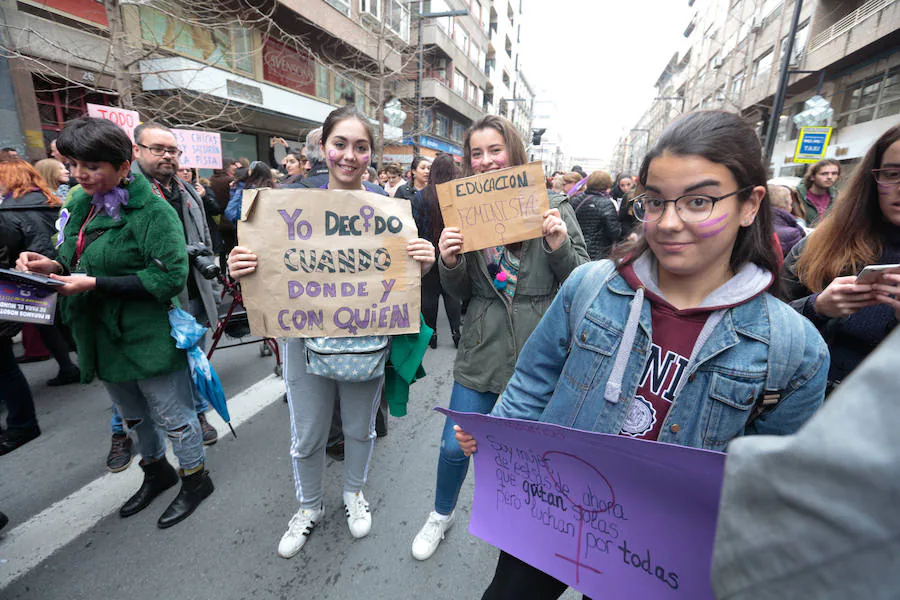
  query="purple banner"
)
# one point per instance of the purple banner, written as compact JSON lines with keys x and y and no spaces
{"x":611,"y":516}
{"x":26,"y":303}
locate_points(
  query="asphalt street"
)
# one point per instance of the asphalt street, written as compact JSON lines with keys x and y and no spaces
{"x":66,"y":541}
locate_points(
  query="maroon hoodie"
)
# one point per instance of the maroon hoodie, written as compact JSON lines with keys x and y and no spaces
{"x":675,"y":340}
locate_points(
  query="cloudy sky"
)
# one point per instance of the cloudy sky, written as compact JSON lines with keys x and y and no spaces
{"x":599,"y":59}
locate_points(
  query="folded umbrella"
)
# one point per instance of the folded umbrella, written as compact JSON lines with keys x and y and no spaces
{"x":188,"y":333}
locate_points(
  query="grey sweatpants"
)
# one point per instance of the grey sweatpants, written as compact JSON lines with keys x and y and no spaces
{"x":311,"y":400}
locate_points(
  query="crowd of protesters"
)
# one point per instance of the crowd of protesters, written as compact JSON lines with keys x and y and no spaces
{"x":682,"y":259}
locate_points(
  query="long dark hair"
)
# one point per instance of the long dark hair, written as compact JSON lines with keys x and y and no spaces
{"x":723,"y":138}
{"x":849,"y":236}
{"x":443,"y":169}
{"x":260,"y":176}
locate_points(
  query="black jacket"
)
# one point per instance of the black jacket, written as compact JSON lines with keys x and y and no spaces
{"x":850,"y":339}
{"x":27,"y":223}
{"x":599,"y":222}
{"x":406,"y":191}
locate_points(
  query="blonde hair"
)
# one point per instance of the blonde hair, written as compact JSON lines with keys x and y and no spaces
{"x":558,"y":183}
{"x":49,"y":169}
{"x":572,"y":177}
{"x":599,"y":180}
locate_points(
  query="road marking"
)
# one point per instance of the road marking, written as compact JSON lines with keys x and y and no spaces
{"x":30,"y":543}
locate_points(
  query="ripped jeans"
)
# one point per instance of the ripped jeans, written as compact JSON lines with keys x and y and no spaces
{"x":161,"y":407}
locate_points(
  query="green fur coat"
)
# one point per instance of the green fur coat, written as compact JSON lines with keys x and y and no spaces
{"x":121,"y":338}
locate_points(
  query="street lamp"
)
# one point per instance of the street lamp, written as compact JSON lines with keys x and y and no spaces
{"x":417,"y":118}
{"x":781,"y":92}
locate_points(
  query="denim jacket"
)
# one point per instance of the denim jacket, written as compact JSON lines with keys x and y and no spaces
{"x":562,"y":372}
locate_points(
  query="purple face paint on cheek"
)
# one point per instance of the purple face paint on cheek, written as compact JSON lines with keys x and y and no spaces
{"x":714,"y":233}
{"x":331,"y":155}
{"x":711,"y":222}
{"x":364,"y":158}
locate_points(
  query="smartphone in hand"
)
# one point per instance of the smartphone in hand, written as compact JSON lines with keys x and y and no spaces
{"x":870,"y":274}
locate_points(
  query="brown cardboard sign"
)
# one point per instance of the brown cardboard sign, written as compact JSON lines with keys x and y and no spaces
{"x":332,"y":263}
{"x":496,"y":208}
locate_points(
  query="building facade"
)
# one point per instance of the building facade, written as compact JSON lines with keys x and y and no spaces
{"x":251,"y":75}
{"x":845,"y":51}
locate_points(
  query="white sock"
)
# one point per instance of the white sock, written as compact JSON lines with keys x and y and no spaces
{"x":441,"y":517}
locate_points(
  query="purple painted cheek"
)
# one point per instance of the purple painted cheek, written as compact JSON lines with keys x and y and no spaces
{"x":884,"y":186}
{"x":714,"y":233}
{"x":712,"y":222}
{"x":331,"y":155}
{"x":364,"y":158}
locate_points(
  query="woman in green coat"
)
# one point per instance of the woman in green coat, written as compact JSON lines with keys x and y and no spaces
{"x":122,"y":258}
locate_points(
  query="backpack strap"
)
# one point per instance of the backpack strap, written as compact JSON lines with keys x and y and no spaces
{"x":786,"y":347}
{"x":588,"y":289}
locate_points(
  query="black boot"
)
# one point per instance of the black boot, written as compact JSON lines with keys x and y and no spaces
{"x":158,"y":477}
{"x":194,"y":488}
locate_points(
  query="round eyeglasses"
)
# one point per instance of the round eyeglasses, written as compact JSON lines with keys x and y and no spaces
{"x":691,"y":208}
{"x":887,"y":176}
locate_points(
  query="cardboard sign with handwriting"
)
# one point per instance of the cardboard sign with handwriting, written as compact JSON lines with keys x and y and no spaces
{"x":331,"y":264}
{"x":611,"y":516}
{"x":496,"y":208}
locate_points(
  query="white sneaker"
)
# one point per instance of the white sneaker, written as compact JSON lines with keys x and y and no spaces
{"x":429,"y":537}
{"x":359,"y":519}
{"x":299,"y":528}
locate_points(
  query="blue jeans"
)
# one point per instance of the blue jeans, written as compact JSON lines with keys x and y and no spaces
{"x":160,"y":407}
{"x":117,"y":426}
{"x":452,"y":463}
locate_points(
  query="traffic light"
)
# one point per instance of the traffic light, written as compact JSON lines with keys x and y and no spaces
{"x":536,"y":136}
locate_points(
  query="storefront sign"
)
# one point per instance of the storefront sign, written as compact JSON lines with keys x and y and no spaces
{"x":200,"y":149}
{"x":243,"y":92}
{"x":89,"y":10}
{"x":496,"y":208}
{"x":285,"y":66}
{"x":435,"y":144}
{"x":812,"y":144}
{"x":126,"y":119}
{"x":331,"y":263}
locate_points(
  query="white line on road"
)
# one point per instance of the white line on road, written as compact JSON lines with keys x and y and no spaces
{"x":30,"y":543}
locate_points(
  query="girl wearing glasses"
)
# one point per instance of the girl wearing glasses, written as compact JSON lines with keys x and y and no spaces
{"x":862,"y":229}
{"x":671,"y":342}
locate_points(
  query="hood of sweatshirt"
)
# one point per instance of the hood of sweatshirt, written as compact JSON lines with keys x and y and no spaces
{"x":642,"y":275}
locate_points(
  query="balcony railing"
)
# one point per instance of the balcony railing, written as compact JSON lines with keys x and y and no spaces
{"x":859,"y":15}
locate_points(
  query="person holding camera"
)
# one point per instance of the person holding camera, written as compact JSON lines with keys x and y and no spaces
{"x":121,"y":261}
{"x":156,"y":156}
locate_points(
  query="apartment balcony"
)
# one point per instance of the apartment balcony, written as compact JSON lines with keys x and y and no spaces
{"x":440,"y":91}
{"x":434,"y":35}
{"x":337,"y":23}
{"x":872,"y":21}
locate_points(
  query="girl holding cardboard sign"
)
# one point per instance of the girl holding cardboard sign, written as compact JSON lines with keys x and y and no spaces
{"x":317,"y":369}
{"x":508,"y":289}
{"x":679,"y":340}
